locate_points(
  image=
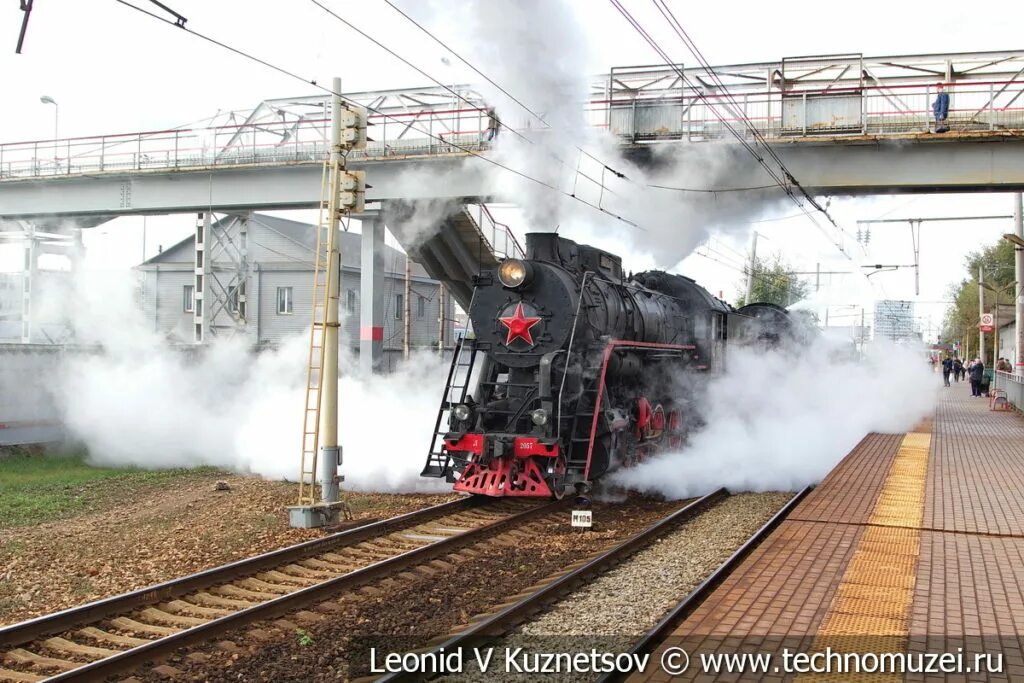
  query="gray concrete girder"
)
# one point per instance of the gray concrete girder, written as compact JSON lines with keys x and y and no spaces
{"x":371,"y":296}
{"x":228,"y":189}
{"x":856,"y":166}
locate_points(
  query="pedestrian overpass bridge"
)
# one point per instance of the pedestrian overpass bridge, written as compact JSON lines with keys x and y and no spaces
{"x":842,"y":124}
{"x":845,"y":124}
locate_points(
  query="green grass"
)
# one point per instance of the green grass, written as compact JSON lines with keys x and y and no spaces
{"x":37,"y":488}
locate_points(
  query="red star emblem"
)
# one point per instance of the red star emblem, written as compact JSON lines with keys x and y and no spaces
{"x":519,"y":326}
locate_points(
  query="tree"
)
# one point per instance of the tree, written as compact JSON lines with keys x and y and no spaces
{"x":963,"y":315}
{"x":774,"y":283}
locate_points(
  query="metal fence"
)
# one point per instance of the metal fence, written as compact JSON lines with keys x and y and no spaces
{"x":428,"y":132}
{"x":976,"y":107}
{"x":1013,"y":385}
{"x":892,"y":109}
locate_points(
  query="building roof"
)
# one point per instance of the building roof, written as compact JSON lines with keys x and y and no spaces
{"x":303,"y":235}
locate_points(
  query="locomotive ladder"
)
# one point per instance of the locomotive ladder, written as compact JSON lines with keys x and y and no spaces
{"x":579,"y":434}
{"x":454,"y":393}
{"x":322,"y":276}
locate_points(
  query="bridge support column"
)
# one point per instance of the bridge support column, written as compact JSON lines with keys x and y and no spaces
{"x":371,"y":296}
{"x":200,"y":317}
{"x":29,"y":283}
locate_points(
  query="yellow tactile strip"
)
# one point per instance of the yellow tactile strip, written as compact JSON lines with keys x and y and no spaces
{"x":871,"y":610}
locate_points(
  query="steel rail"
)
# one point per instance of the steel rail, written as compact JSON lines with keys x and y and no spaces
{"x":25,"y":631}
{"x":503,"y":621}
{"x":286,"y":603}
{"x":664,"y":628}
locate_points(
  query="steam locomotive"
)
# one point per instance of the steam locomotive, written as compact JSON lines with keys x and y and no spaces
{"x":573,"y":368}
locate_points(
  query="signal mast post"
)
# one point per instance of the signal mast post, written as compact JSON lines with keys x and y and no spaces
{"x":321,"y":452}
{"x":330,"y":451}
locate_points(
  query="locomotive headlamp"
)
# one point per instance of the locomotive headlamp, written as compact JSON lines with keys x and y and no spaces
{"x":514,"y":273}
{"x":539,"y":417}
{"x":461,"y":412}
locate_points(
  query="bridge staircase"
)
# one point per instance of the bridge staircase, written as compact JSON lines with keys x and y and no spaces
{"x":467,"y":241}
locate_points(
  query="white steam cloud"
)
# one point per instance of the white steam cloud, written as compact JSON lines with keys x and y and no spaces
{"x":139,"y":402}
{"x":777,"y":421}
{"x":537,"y":51}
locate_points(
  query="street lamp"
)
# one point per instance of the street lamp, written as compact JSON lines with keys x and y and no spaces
{"x":46,"y":99}
{"x":1010,"y":237}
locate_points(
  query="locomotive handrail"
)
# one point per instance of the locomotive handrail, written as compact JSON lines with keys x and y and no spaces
{"x":568,"y":354}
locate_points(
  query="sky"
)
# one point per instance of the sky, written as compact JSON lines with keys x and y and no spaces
{"x":113,"y":70}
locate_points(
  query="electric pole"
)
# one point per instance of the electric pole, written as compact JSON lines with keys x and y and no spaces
{"x":981,"y":309}
{"x":750,"y":269}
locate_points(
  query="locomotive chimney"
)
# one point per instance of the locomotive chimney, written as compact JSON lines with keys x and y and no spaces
{"x":542,"y":246}
{"x":548,"y":246}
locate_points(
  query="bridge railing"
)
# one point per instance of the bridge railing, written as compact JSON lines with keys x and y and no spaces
{"x":635,"y":116}
{"x":498,"y":235}
{"x":428,"y":132}
{"x":808,"y":113}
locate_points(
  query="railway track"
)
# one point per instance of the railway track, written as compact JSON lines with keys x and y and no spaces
{"x":486,"y":629}
{"x":489,"y":627}
{"x":104,"y":637}
{"x":650,"y":641}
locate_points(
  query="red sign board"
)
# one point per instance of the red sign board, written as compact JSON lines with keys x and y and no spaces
{"x":987,"y":324}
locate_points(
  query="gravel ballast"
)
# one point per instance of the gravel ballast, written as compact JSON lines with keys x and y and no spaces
{"x":401,"y":613}
{"x":613,"y":611}
{"x":158,"y":533}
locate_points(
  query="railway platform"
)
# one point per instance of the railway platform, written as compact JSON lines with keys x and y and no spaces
{"x":914,"y":544}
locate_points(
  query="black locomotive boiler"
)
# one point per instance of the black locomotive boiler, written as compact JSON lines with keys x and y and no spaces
{"x":572,"y":368}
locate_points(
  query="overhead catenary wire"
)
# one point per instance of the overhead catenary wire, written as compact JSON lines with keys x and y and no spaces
{"x":714,"y":190}
{"x":756,"y":134}
{"x":673,"y":22}
{"x":541,"y":118}
{"x":487,"y":78}
{"x":786,"y":181}
{"x":383,"y":114}
{"x":447,"y":87}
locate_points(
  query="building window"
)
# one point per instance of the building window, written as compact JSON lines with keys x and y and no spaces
{"x":421,"y":306}
{"x":233,"y":292}
{"x":189,"y":299}
{"x":350,"y":301}
{"x":399,"y":306}
{"x":284,"y":300}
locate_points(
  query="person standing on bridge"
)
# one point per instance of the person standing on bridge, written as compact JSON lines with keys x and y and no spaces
{"x":493,"y":124}
{"x":940,"y":107}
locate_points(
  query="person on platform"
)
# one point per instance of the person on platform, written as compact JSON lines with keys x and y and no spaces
{"x":947,"y":367}
{"x":958,"y":369}
{"x":977,"y":374}
{"x":940,"y":107}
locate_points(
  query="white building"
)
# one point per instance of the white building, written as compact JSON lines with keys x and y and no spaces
{"x":278,"y":287}
{"x":894,"y":320}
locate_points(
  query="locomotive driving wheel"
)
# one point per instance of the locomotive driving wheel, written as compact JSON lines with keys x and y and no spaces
{"x":555,"y":477}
